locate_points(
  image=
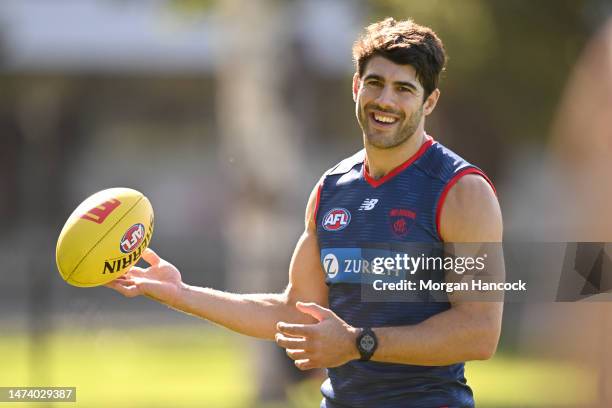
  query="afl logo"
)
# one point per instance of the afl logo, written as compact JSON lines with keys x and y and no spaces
{"x":336,"y":219}
{"x":132,"y":238}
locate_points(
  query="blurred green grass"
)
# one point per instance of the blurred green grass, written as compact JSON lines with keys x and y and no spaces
{"x":202,"y":365}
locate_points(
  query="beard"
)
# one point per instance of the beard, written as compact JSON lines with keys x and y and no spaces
{"x":381,"y":139}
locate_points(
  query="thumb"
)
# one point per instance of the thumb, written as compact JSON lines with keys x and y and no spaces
{"x":151,"y":257}
{"x":318,"y":312}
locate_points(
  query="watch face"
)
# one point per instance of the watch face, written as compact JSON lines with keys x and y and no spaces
{"x":367,"y":343}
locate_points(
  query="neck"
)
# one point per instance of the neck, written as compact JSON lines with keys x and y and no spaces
{"x":381,"y":161}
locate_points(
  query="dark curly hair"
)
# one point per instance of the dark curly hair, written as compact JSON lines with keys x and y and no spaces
{"x":406,"y":43}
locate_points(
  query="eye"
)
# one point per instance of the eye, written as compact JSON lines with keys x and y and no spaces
{"x":374,"y":83}
{"x":403,"y":88}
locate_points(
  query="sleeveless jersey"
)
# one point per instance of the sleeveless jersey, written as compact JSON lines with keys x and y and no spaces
{"x":355,"y":215}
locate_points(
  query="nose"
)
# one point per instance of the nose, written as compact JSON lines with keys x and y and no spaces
{"x":386,"y":97}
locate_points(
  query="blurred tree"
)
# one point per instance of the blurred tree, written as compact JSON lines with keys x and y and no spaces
{"x":191,"y":7}
{"x":261,"y":141}
{"x":508,"y":63}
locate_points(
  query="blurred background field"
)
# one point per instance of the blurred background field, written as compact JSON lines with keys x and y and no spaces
{"x":189,"y":365}
{"x":225,"y":113}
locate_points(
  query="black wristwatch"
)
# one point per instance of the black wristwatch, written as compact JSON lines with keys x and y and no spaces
{"x":366,"y":343}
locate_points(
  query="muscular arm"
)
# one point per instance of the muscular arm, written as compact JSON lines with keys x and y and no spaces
{"x":468,"y":330}
{"x":251,"y":314}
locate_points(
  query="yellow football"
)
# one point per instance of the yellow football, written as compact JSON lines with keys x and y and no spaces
{"x":104,"y":237}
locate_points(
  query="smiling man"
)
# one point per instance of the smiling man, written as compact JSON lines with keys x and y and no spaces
{"x":403,"y":187}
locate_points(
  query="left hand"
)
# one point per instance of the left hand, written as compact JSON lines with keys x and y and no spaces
{"x":328,"y":343}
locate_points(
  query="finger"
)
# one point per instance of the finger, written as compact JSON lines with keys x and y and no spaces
{"x":136,"y":271}
{"x":304,"y":364}
{"x":295,"y":329}
{"x":151,"y":257}
{"x":297,"y":354}
{"x":318,"y":312}
{"x":128,"y":290}
{"x":124,"y":282}
{"x":290,"y":342}
{"x":120,"y":282}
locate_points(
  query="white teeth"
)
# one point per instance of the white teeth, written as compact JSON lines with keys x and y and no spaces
{"x":384,"y":119}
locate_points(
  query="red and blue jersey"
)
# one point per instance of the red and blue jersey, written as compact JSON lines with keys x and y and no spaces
{"x":359,"y":218}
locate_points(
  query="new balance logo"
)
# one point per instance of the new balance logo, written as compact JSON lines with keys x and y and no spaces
{"x":368,"y":204}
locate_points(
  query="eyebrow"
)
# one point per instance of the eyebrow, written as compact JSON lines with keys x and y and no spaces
{"x":401,"y":83}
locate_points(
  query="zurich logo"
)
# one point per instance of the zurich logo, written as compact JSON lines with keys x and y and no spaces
{"x":330,"y":263}
{"x":336,"y":219}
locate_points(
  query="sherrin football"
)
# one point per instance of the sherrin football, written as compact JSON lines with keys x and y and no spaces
{"x":104,"y":237}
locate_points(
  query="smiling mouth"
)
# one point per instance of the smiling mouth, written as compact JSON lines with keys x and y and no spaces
{"x":382,"y":119}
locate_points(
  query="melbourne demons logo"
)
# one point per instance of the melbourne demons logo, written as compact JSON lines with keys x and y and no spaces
{"x":336,"y":219}
{"x":132,"y":238}
{"x":401,"y":220}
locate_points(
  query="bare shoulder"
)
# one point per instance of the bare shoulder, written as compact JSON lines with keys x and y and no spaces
{"x":471,"y":212}
{"x":312,"y":208}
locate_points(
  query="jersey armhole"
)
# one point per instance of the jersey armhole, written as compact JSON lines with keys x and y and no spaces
{"x":449,"y":185}
{"x":318,"y":199}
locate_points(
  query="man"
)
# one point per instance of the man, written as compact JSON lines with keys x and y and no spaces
{"x":403,"y":187}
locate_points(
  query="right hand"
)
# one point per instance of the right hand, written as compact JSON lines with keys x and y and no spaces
{"x":160,"y":281}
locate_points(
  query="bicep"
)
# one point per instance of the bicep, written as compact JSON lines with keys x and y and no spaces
{"x":471,"y":218}
{"x":306,"y":275}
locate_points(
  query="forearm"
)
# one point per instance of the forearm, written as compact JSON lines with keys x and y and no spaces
{"x":447,"y":338}
{"x":254,"y":315}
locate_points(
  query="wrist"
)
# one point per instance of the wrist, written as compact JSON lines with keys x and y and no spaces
{"x":180,"y":293}
{"x":354,"y":333}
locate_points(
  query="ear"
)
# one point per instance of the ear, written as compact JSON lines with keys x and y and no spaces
{"x":431,"y":101}
{"x":356,"y":80}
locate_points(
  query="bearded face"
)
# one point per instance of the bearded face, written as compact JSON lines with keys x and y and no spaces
{"x":389,"y":103}
{"x":386,"y":129}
